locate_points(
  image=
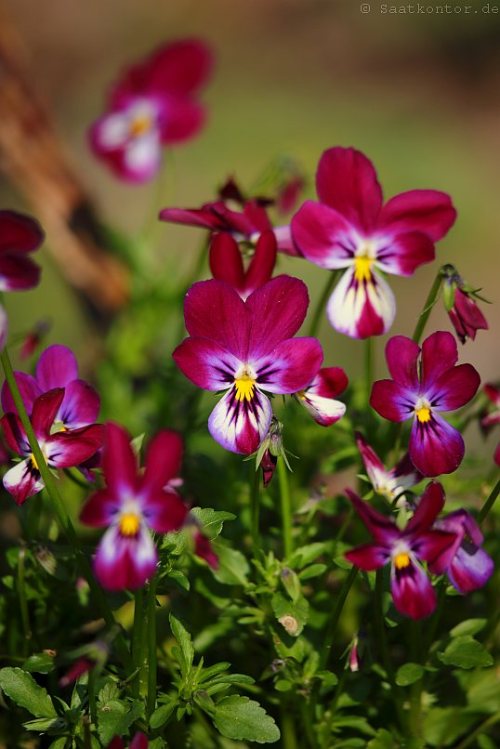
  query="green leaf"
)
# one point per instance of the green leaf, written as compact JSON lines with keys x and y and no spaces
{"x":409,"y":673}
{"x":211,"y":520}
{"x":444,"y":725}
{"x":468,"y":627}
{"x":307,"y":554}
{"x":115,"y":718}
{"x":315,"y":570}
{"x":41,"y":663}
{"x":59,"y":743}
{"x":383,"y":740}
{"x":233,"y":566}
{"x":465,"y":652}
{"x":185,"y":643}
{"x":243,"y":719}
{"x":292,"y":615}
{"x":45,"y":724}
{"x":162,"y":714}
{"x":180,"y":578}
{"x":291,"y":583}
{"x":22,"y":689}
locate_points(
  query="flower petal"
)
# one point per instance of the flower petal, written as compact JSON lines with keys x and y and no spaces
{"x":319,"y":396}
{"x":374,"y":467}
{"x":412,"y":591}
{"x":28,"y":388}
{"x":435,"y":446}
{"x":470,"y":569}
{"x":56,"y":368}
{"x":368,"y":557}
{"x":164,"y":511}
{"x":226,"y":262}
{"x":14,"y":434}
{"x":141,"y":158}
{"x":100,"y":509}
{"x":347,"y":181}
{"x":430,"y":505}
{"x":277,"y":311}
{"x":181,"y":67}
{"x":163,"y":460}
{"x":262,"y":264}
{"x":17,"y":272}
{"x":184,"y":118}
{"x":119,"y":461}
{"x":19,"y":232}
{"x":402,"y":356}
{"x":324,"y":236}
{"x":45,"y":409}
{"x":437,"y":548}
{"x":404,"y":253}
{"x":392,"y":401}
{"x":80,"y":405}
{"x":125,"y":561}
{"x":454,"y":388}
{"x":240,"y":426}
{"x":140,"y":741}
{"x":361,"y":309}
{"x":206,"y":363}
{"x":23,"y":481}
{"x":67,"y":449}
{"x":428,"y":211}
{"x":292,"y":365}
{"x":383,"y":530}
{"x":439,"y":354}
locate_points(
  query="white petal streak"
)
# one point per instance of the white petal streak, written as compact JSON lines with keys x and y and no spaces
{"x":240,"y":426}
{"x":361,"y":309}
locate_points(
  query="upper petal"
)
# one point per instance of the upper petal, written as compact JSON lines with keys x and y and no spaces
{"x":382,"y":528}
{"x":277,"y":310}
{"x":119,"y":461}
{"x":57,"y":366}
{"x":206,"y":363}
{"x":392,"y":400}
{"x":19,"y":232}
{"x":45,"y":410}
{"x":17,"y":272}
{"x":240,"y":426}
{"x":402,"y":254}
{"x":323,"y":235}
{"x":435,"y":446}
{"x":402,"y":354}
{"x":291,"y":366}
{"x":80,"y":405}
{"x":454,"y":388}
{"x":262,"y":264}
{"x":163,"y":459}
{"x":329,"y":382}
{"x":430,"y":505}
{"x":226,"y":262}
{"x":29,"y":389}
{"x":439,"y":354}
{"x":181,"y":67}
{"x":428,"y":211}
{"x":347,"y":181}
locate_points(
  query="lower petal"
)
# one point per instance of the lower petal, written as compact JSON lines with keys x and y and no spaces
{"x":412,"y":591}
{"x":23,"y":481}
{"x":125,"y":562}
{"x":470,"y":569}
{"x":361,"y":309}
{"x":240,"y":425}
{"x":435,"y":447}
{"x":325,"y":411}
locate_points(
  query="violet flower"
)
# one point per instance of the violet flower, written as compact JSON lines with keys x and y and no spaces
{"x":421,"y":392}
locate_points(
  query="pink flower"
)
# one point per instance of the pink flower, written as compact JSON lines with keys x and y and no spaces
{"x":226,"y":262}
{"x":421,"y":392}
{"x":350,"y":229}
{"x":405,"y":550}
{"x":491,"y":419}
{"x":140,"y":741}
{"x":154,"y":104}
{"x":131,"y":503}
{"x":390,"y":483}
{"x":319,"y":397}
{"x":246,"y":349}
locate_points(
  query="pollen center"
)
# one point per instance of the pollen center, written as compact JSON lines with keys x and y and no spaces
{"x":129,"y":524}
{"x":34,"y":463}
{"x":140,"y":125}
{"x":245,"y":387}
{"x":401,"y":560}
{"x":423,"y":414}
{"x":362,"y":268}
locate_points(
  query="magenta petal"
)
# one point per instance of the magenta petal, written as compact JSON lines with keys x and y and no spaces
{"x":404,"y":253}
{"x":439,"y":354}
{"x":19,"y":232}
{"x":45,"y":411}
{"x":4,"y":327}
{"x":66,"y":449}
{"x":402,"y":356}
{"x":277,"y":311}
{"x":181,"y":67}
{"x":80,"y":405}
{"x":368,"y":557}
{"x":163,"y":460}
{"x":470,"y":569}
{"x":17,"y":272}
{"x":14,"y":434}
{"x":214,"y":310}
{"x":206,"y":363}
{"x":454,"y":388}
{"x":430,"y":505}
{"x":140,"y":741}
{"x":392,"y":401}
{"x":329,"y":382}
{"x":28,"y":388}
{"x":428,"y":211}
{"x":57,"y":366}
{"x":323,"y":236}
{"x":371,"y":460}
{"x":383,"y":530}
{"x":164,"y":511}
{"x":262,"y":264}
{"x":184,"y":119}
{"x":226,"y":262}
{"x":435,"y":447}
{"x":437,"y":548}
{"x":201,"y":217}
{"x":23,"y":481}
{"x":291,"y":367}
{"x":412,"y":591}
{"x":125,"y":562}
{"x":240,"y":426}
{"x":119,"y":461}
{"x":99,"y":509}
{"x":347,"y":181}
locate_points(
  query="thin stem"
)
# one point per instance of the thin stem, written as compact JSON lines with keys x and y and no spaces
{"x":288,"y":737}
{"x":489,"y":502}
{"x":255,"y":508}
{"x":332,"y":627}
{"x":58,"y":504}
{"x":152,"y":654}
{"x":482,"y":727}
{"x":318,"y":312}
{"x":137,"y":639}
{"x":427,"y":309}
{"x":286,"y":507}
{"x":415,"y":722}
{"x":91,"y":696}
{"x":23,"y":603}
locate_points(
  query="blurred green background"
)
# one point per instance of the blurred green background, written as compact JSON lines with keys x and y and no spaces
{"x":419,"y":93}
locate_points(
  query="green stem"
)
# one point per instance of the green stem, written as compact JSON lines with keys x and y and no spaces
{"x":58,"y":504}
{"x":255,"y":508}
{"x":482,"y":727}
{"x":489,"y":502}
{"x":415,"y":722}
{"x":288,"y":737}
{"x":286,"y":507}
{"x":427,"y":309}
{"x":318,"y":312}
{"x":91,"y":696}
{"x":23,"y":603}
{"x":332,"y":627}
{"x":137,"y":640}
{"x":152,"y":654}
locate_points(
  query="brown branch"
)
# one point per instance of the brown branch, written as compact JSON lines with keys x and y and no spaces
{"x":33,"y":158}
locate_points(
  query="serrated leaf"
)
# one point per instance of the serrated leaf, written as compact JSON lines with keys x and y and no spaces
{"x":466,"y":652}
{"x":243,"y":719}
{"x":116,"y":718}
{"x":41,"y":663}
{"x":468,"y":627}
{"x":211,"y":521}
{"x":162,"y":714}
{"x":233,"y":567}
{"x":408,"y":674}
{"x":22,"y":689}
{"x":292,"y":615}
{"x":185,"y":643}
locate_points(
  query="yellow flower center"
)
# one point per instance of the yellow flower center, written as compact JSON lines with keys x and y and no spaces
{"x":140,"y":125}
{"x":362,"y":268}
{"x":423,"y":414}
{"x":129,"y":524}
{"x":402,"y":560}
{"x":245,"y":387}
{"x":34,"y":463}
